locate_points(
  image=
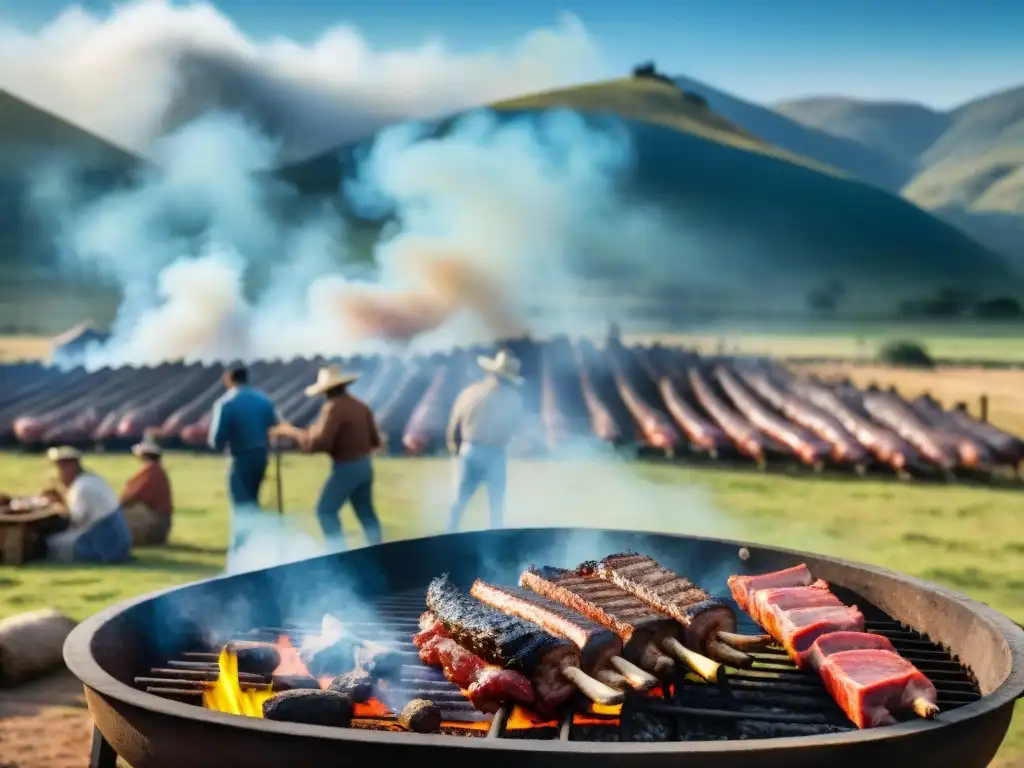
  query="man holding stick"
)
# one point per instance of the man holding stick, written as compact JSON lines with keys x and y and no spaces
{"x":242,"y":420}
{"x":347,"y":432}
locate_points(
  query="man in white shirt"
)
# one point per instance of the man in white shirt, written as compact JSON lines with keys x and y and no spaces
{"x":98,"y":532}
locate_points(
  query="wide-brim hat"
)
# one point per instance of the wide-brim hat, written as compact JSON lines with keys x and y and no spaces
{"x":504,"y":364}
{"x":329,"y":377}
{"x":63,"y":453}
{"x":147,"y":447}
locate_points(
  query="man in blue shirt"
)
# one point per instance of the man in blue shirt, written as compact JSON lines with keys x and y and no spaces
{"x":242,"y":419}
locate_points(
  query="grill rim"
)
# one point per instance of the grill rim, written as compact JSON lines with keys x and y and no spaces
{"x":80,"y":660}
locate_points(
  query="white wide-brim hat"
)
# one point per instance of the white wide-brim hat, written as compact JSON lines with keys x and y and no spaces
{"x":63,"y":453}
{"x":503,"y":364}
{"x":329,"y":377}
{"x":147,"y":447}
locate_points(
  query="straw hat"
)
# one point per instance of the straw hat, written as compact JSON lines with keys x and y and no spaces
{"x":63,"y":453}
{"x":503,"y":364}
{"x":147,"y":447}
{"x":329,"y":377}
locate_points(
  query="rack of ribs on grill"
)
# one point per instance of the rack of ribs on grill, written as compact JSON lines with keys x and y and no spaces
{"x":600,"y":648}
{"x":486,"y":686}
{"x":864,"y":673}
{"x":647,"y":636}
{"x":552,"y":663}
{"x":709,"y":625}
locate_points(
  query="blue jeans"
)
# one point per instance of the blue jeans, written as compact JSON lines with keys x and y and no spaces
{"x":349,"y":481}
{"x":479,"y":464}
{"x":106,"y":541}
{"x":246,"y":471}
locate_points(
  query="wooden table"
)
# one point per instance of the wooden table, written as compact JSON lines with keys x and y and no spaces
{"x":22,"y":533}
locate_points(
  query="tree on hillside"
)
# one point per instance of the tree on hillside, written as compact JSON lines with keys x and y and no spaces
{"x":999,"y":308}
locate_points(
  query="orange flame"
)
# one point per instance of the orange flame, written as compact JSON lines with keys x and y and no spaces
{"x":227,"y":695}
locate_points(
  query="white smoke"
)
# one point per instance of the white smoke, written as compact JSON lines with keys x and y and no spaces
{"x":489,"y":218}
{"x":148,"y":64}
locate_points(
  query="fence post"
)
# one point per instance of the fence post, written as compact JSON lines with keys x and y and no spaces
{"x":983,"y":408}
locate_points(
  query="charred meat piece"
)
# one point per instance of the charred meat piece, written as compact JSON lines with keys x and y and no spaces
{"x":742,"y":586}
{"x":837,"y":642}
{"x":309,"y":707}
{"x":597,"y":644}
{"x":420,"y":716}
{"x":707,"y":622}
{"x":486,"y":685}
{"x":599,"y":647}
{"x":640,"y":629}
{"x":646,"y":636}
{"x":504,"y":640}
{"x":552,"y":663}
{"x":874,"y":686}
{"x":357,"y":685}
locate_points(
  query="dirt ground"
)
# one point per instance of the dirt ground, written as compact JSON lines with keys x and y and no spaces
{"x":45,"y":724}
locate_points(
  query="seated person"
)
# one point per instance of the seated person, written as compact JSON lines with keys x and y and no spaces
{"x":97,"y":531}
{"x":146,"y":498}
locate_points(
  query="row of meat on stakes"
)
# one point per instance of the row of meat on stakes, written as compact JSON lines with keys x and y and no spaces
{"x":624,"y":625}
{"x":658,"y":399}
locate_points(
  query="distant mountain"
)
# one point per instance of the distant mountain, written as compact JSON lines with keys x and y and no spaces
{"x":847,"y":154}
{"x":968,"y":163}
{"x":901,"y":131}
{"x":26,"y":127}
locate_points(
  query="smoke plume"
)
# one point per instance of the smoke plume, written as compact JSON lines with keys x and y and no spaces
{"x":494,"y":224}
{"x":150,"y":66}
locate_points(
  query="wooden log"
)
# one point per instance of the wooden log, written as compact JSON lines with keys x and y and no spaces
{"x":32,"y":645}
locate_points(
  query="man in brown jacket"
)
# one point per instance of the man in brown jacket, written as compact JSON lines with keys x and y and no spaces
{"x":347,"y":432}
{"x":484,"y":419}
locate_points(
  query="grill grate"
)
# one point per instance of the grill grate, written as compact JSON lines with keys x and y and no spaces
{"x":772,"y":699}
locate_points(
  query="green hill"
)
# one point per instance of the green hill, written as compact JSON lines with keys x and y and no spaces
{"x":968,"y":163}
{"x":760,"y":227}
{"x":761,"y":230}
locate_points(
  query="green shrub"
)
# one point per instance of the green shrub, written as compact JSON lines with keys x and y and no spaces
{"x":910,"y":354}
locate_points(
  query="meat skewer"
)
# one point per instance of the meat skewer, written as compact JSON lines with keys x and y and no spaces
{"x":486,"y":685}
{"x":646,"y":636}
{"x":709,"y":624}
{"x":552,"y":663}
{"x":865,"y":675}
{"x":599,"y":646}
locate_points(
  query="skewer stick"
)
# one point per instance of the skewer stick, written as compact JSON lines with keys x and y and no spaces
{"x":636,"y":677}
{"x":924,"y":708}
{"x":702,"y":665}
{"x":744,"y":642}
{"x":729,"y":655}
{"x":595,"y":690}
{"x":611,"y":679}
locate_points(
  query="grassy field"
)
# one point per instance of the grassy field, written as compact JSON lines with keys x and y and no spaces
{"x":974,"y":342}
{"x":970,"y":539}
{"x":14,"y":349}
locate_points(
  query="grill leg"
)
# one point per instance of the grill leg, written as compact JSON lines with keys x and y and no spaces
{"x":103,"y":755}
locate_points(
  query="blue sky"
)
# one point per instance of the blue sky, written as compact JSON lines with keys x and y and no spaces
{"x":940,"y":52}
